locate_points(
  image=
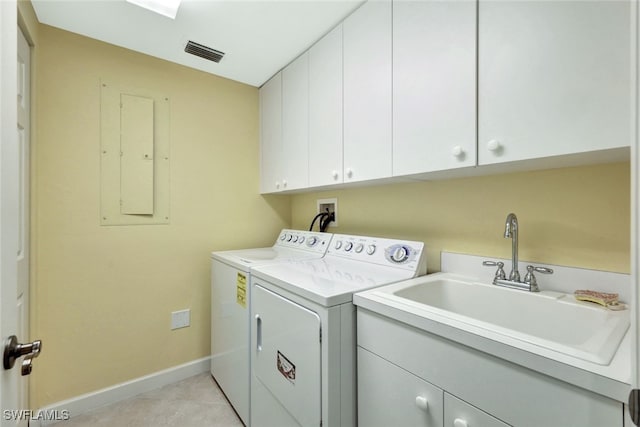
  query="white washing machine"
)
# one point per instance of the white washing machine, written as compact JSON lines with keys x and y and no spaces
{"x":230,"y":307}
{"x":303,"y":344}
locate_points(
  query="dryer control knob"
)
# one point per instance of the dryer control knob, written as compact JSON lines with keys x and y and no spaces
{"x":338,"y":244}
{"x":289,"y":237}
{"x":295,"y":239}
{"x":284,"y":236}
{"x":348,"y":246}
{"x":359,"y":247}
{"x":371,"y":249}
{"x":312,"y":241}
{"x":301,"y":239}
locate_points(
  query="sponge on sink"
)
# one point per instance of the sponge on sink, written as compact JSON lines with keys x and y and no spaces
{"x":609,"y":300}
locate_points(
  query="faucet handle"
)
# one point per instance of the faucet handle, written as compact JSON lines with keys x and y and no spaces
{"x":530,"y":279}
{"x":500,"y":274}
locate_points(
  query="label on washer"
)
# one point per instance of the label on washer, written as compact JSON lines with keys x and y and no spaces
{"x":241,"y":290}
{"x":286,"y":368}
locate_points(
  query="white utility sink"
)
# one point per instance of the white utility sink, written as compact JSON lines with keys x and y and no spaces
{"x":551,"y":320}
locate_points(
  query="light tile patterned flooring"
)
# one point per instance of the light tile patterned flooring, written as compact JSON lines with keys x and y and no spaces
{"x":195,"y":401}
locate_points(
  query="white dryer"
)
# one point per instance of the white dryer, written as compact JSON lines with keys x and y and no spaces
{"x":303,"y":345}
{"x":230,"y":307}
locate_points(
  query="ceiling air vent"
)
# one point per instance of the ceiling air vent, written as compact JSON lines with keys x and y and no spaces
{"x":203,"y":51}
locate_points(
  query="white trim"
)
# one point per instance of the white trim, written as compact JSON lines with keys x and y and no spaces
{"x":87,"y":402}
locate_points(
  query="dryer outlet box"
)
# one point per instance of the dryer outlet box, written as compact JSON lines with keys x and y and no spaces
{"x":180,"y":319}
{"x":332,"y":206}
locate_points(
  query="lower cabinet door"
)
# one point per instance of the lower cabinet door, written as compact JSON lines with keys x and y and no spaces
{"x":390,"y":396}
{"x":458,"y":413}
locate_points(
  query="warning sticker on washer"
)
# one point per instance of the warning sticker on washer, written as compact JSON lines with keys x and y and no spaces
{"x":286,"y":368}
{"x":241,"y":290}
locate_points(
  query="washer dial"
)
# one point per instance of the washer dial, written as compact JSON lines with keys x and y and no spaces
{"x":398,"y":254}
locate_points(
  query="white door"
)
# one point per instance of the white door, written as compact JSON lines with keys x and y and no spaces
{"x":434,"y":85}
{"x":325,"y":110}
{"x":295,"y":124}
{"x":367,"y":92}
{"x":271,"y":135}
{"x":14,"y":217}
{"x":287,"y":361}
{"x":554,"y":78}
{"x":9,"y":388}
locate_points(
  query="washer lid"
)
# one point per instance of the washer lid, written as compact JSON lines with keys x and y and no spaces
{"x":330,"y":280}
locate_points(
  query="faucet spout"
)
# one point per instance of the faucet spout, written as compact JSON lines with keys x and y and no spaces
{"x":511,"y":231}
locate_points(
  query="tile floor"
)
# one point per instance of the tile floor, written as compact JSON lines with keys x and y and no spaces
{"x":195,"y":401}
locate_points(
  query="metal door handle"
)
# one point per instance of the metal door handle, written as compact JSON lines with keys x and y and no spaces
{"x":14,"y":350}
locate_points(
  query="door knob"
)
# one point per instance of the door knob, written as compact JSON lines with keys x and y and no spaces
{"x":14,"y":350}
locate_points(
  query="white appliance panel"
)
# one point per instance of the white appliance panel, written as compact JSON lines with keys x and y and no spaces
{"x":288,"y":354}
{"x":230,"y":337}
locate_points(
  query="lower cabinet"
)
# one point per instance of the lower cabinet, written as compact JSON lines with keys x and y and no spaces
{"x":410,"y":377}
{"x":391,"y":396}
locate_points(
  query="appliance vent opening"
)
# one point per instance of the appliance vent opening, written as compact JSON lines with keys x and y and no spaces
{"x":203,"y":51}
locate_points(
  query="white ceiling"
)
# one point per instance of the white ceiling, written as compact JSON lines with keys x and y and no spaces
{"x":257,"y":37}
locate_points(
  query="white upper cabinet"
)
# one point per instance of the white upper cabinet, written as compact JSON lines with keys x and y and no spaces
{"x":295,"y":124}
{"x":271,"y":135}
{"x":367,"y":92}
{"x":325,"y":110}
{"x":434,"y":85}
{"x":554,"y":78}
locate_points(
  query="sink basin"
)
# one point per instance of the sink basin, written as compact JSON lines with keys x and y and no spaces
{"x":551,"y":320}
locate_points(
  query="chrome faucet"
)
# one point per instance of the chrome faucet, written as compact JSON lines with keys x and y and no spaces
{"x":511,"y":231}
{"x":529,"y":283}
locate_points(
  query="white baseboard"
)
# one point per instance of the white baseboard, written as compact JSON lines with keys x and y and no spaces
{"x":87,"y":402}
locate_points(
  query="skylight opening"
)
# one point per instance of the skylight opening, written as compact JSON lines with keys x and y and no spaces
{"x":168,"y":8}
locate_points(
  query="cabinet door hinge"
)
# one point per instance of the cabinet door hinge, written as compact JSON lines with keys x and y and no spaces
{"x":634,"y":406}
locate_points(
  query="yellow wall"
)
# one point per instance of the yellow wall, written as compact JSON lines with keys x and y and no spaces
{"x":572,"y":216}
{"x":103,"y":295}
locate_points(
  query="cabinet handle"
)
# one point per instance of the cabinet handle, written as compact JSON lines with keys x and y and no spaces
{"x":334,"y":174}
{"x":459,"y":422}
{"x":494,"y":145}
{"x":457,"y":151}
{"x":284,"y":183}
{"x":277,"y":185}
{"x":422,"y":403}
{"x":349,"y":172}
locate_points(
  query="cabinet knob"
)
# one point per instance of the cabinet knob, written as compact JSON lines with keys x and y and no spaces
{"x":349,"y":172}
{"x":459,"y":422}
{"x":457,"y":151}
{"x":422,"y":403}
{"x":334,"y":174}
{"x":284,"y":183}
{"x":494,"y":145}
{"x":277,"y":184}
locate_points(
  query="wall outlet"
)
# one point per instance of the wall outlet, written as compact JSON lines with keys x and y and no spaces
{"x":332,"y":205}
{"x":180,"y":319}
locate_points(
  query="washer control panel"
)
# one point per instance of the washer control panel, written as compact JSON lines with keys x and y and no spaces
{"x":308,"y":240}
{"x":378,"y":250}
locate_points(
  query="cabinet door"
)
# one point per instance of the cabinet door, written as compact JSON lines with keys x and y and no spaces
{"x":390,"y":396}
{"x":325,"y":110}
{"x":271,"y":135}
{"x":554,"y":78}
{"x":434,"y":85}
{"x":295,"y":124}
{"x":460,"y":414}
{"x":367,"y":92}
